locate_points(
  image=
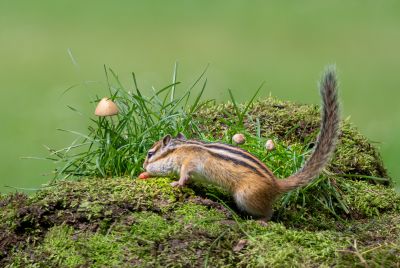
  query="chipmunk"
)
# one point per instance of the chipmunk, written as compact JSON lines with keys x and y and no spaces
{"x":253,"y":186}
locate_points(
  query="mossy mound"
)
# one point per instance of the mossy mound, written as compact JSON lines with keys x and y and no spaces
{"x":348,"y":217}
{"x":125,"y":222}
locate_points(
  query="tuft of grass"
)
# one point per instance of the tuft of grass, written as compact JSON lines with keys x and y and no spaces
{"x":240,"y":112}
{"x":116,"y":146}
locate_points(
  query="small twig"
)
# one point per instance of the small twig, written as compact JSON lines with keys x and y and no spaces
{"x":110,"y":228}
{"x":357,"y":253}
{"x":371,"y":249}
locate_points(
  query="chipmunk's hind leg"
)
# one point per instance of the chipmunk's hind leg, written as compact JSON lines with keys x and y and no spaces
{"x":254,"y":200}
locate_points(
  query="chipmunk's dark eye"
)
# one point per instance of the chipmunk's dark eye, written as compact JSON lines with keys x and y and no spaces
{"x":150,"y":154}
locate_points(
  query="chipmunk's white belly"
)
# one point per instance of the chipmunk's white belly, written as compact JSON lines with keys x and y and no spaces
{"x":198,"y":174}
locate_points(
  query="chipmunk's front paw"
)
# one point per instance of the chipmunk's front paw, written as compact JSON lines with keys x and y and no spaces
{"x":175,"y":184}
{"x":178,"y":183}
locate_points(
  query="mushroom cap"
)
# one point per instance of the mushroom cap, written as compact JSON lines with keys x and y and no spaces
{"x":239,"y":138}
{"x":269,"y":145}
{"x":106,"y":107}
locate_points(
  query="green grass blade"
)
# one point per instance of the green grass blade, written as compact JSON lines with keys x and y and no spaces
{"x":174,"y":76}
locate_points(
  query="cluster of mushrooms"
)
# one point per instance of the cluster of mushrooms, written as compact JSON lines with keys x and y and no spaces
{"x":240,"y":139}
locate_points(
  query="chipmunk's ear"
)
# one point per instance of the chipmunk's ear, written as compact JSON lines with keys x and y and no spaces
{"x":180,"y":136}
{"x":166,"y":140}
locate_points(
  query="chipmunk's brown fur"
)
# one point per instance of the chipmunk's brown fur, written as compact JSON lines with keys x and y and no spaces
{"x":251,"y":183}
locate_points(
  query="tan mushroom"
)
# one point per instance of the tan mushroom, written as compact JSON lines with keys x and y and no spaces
{"x":239,"y":138}
{"x":106,"y":107}
{"x":269,"y":145}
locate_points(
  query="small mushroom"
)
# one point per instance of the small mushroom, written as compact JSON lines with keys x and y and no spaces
{"x":269,"y":145}
{"x":106,"y":107}
{"x":239,"y":138}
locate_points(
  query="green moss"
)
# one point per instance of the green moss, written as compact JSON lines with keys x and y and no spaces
{"x":152,"y":227}
{"x":366,"y":200}
{"x":363,"y":200}
{"x":372,"y":242}
{"x":356,"y":155}
{"x":102,"y":191}
{"x":65,"y":247}
{"x":57,"y":249}
{"x":277,"y":246}
{"x":60,"y":248}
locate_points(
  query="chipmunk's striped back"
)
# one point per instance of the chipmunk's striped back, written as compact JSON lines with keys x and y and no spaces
{"x":233,"y":153}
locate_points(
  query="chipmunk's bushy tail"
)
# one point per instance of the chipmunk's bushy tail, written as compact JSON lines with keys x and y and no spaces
{"x":327,"y":138}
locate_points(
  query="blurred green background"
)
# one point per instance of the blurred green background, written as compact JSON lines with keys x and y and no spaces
{"x":285,"y":43}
